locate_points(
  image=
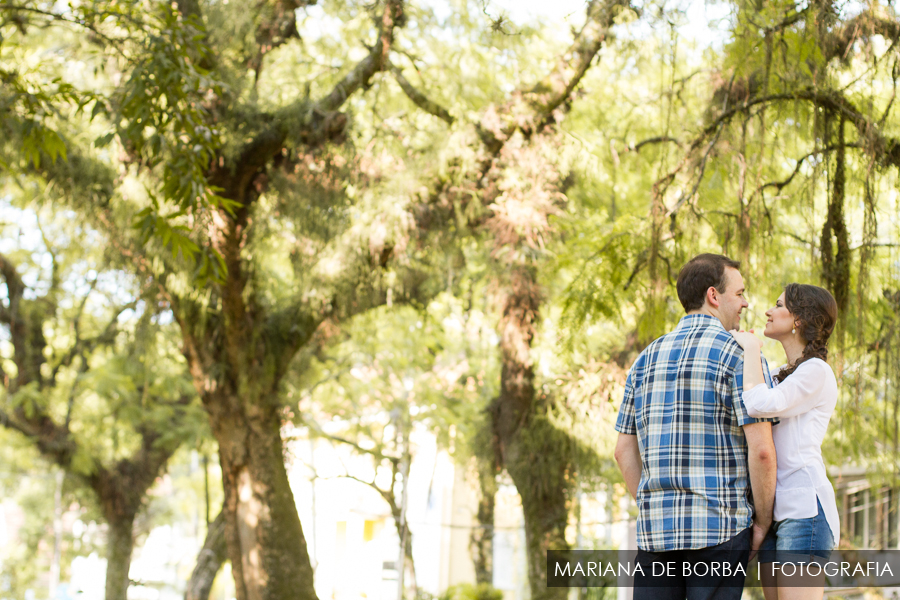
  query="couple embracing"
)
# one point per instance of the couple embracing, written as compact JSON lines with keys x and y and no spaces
{"x":723,"y":458}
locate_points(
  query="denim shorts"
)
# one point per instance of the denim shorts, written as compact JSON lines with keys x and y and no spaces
{"x":798,"y":540}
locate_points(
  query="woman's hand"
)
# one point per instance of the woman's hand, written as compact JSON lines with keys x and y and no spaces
{"x":747,"y":339}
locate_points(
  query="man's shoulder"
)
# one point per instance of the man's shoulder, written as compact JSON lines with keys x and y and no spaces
{"x":724,"y":341}
{"x":710,"y":335}
{"x":655,"y":346}
{"x":723,"y":349}
{"x":719,"y":345}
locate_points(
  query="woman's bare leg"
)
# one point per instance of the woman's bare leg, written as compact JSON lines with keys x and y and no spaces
{"x":769,"y":584}
{"x":815,"y":590}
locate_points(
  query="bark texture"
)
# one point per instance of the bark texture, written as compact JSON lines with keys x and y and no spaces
{"x":238,"y":349}
{"x":532,"y":450}
{"x":209,"y":561}
{"x":835,"y":242}
{"x":119,"y":546}
{"x":481,"y":540}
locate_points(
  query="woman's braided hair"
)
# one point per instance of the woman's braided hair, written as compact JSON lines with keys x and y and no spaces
{"x":816,"y":311}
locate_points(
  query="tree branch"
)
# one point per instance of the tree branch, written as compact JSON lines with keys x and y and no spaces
{"x":639,"y":264}
{"x":61,"y":18}
{"x":443,"y":201}
{"x":376,"y":60}
{"x":886,"y":150}
{"x":320,"y":121}
{"x":52,"y":441}
{"x":277,"y":25}
{"x":54,"y":263}
{"x":336,"y":438}
{"x":209,"y":560}
{"x":703,"y":161}
{"x":81,"y":347}
{"x":14,"y":285}
{"x":864,"y":25}
{"x":21,"y":331}
{"x":76,"y":324}
{"x":419,"y":99}
{"x":780,"y":185}
{"x":786,"y":22}
{"x":660,"y":139}
{"x":385,"y":494}
{"x":557,"y":87}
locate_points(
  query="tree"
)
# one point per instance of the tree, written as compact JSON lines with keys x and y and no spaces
{"x":281,"y":193}
{"x":209,"y":561}
{"x":79,"y":367}
{"x":237,"y":343}
{"x":512,"y":211}
{"x":190,"y":117}
{"x":778,"y":151}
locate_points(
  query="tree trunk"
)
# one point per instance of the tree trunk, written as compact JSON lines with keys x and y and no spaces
{"x":410,"y":584}
{"x":835,"y":244}
{"x":653,"y":320}
{"x":237,"y":359}
{"x":533,"y":451}
{"x":265,"y":541}
{"x":57,"y":533}
{"x":119,"y":546}
{"x":544,"y":503}
{"x":481,"y":540}
{"x":398,"y":512}
{"x":210,"y":559}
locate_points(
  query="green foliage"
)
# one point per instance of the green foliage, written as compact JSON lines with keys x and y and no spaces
{"x":755,"y":188}
{"x":29,"y":104}
{"x":163,"y":114}
{"x":111,"y":377}
{"x":598,"y":253}
{"x":464,"y":591}
{"x":333,"y":227}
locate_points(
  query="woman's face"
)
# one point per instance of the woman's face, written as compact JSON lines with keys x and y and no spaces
{"x":780,"y":322}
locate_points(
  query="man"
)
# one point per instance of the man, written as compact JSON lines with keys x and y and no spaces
{"x":688,"y":450}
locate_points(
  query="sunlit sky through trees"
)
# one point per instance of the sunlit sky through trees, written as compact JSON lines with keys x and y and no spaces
{"x":704,"y":22}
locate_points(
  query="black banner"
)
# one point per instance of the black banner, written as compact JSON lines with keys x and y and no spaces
{"x":619,"y":568}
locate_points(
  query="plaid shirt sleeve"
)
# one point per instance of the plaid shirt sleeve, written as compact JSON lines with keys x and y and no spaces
{"x":625,"y":421}
{"x":737,"y":397}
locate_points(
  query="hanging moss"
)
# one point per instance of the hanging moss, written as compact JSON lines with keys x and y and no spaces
{"x":835,"y":244}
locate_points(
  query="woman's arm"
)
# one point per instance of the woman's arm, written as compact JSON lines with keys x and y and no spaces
{"x":753,"y":371}
{"x":809,"y":386}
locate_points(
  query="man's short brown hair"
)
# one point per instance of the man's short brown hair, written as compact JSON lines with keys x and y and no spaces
{"x":701,"y":273}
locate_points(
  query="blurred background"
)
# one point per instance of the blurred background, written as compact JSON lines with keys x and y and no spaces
{"x":322,"y":299}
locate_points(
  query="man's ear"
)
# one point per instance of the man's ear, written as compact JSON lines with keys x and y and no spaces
{"x":712,"y":296}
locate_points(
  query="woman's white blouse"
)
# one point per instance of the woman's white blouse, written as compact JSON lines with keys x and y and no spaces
{"x":804,"y":401}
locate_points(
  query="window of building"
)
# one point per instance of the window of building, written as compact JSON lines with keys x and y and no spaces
{"x":871,"y":518}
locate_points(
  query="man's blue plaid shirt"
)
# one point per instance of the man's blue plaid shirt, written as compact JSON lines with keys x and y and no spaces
{"x":683,"y":401}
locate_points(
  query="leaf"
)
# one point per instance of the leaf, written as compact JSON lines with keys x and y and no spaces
{"x":100,"y":108}
{"x":104,"y":140}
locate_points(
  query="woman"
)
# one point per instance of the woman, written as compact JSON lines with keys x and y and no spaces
{"x":806,"y":524}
